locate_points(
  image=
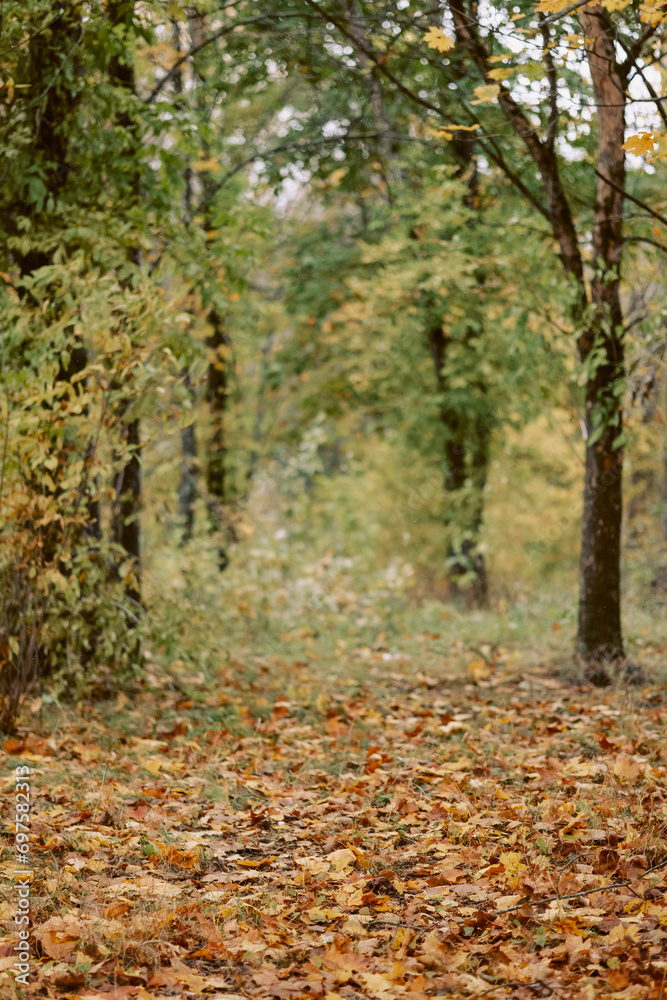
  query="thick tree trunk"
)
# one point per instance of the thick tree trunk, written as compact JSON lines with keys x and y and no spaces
{"x":50,"y":150}
{"x":599,"y":633}
{"x":599,"y":636}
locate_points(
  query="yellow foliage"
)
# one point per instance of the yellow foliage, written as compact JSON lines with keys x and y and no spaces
{"x":641,"y":144}
{"x":210,"y":165}
{"x":486,"y":93}
{"x":437,"y":39}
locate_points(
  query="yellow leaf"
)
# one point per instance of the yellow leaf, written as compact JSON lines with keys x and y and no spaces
{"x":640,"y":145}
{"x":501,"y":73}
{"x":626,"y":768}
{"x":505,"y":901}
{"x":246,"y":529}
{"x":486,"y":94}
{"x":341,"y":859}
{"x":615,"y":4}
{"x":317,"y":915}
{"x":552,"y":6}
{"x":362,"y":859}
{"x":480,"y":670}
{"x":511,"y":861}
{"x":317,"y":866}
{"x":652,"y":12}
{"x":211,"y":165}
{"x":377,"y":985}
{"x":176,"y":12}
{"x":336,"y":177}
{"x":447,"y":131}
{"x":153,"y":764}
{"x":437,"y":39}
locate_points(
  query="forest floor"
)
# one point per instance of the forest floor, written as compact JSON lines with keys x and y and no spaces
{"x":394,"y":831}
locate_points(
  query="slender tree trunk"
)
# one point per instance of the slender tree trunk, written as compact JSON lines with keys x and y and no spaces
{"x":217,"y":385}
{"x":125,"y":523}
{"x":466,"y":461}
{"x":467,"y":448}
{"x":125,"y":527}
{"x":187,"y":489}
{"x":216,"y":394}
{"x":267,"y":347}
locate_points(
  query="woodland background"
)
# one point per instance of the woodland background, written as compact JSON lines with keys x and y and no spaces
{"x":333,"y":378}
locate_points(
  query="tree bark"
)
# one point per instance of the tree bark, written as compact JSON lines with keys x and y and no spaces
{"x":216,"y":395}
{"x":599,"y":635}
{"x":600,"y":345}
{"x":51,"y":140}
{"x":187,"y":489}
{"x":466,"y":462}
{"x":125,"y":527}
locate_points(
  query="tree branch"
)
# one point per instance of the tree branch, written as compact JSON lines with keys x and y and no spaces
{"x":227,"y":30}
{"x":635,"y":49}
{"x":370,"y":54}
{"x":543,"y":155}
{"x":631,"y":197}
{"x":563,"y":13}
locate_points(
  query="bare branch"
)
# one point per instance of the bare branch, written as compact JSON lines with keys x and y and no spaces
{"x":631,"y":197}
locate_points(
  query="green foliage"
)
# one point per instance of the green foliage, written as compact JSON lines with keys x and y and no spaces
{"x":352,"y":215}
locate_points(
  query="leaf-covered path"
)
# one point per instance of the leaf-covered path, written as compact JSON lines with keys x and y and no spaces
{"x":411,"y":837}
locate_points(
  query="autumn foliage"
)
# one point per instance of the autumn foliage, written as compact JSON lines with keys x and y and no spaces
{"x":407,"y":839}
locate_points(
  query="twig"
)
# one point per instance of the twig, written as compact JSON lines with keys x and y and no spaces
{"x":564,"y":13}
{"x":399,"y":923}
{"x":582,"y":892}
{"x":631,"y":197}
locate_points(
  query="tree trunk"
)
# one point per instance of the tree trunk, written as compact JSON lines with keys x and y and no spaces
{"x":125,"y":526}
{"x":187,"y":489}
{"x":466,"y":461}
{"x":599,"y":636}
{"x":216,"y":394}
{"x":50,"y":150}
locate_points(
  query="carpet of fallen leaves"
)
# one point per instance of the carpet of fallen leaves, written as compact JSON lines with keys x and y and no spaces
{"x":409,"y":837}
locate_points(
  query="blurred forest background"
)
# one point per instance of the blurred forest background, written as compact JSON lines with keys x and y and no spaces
{"x":291,"y":368}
